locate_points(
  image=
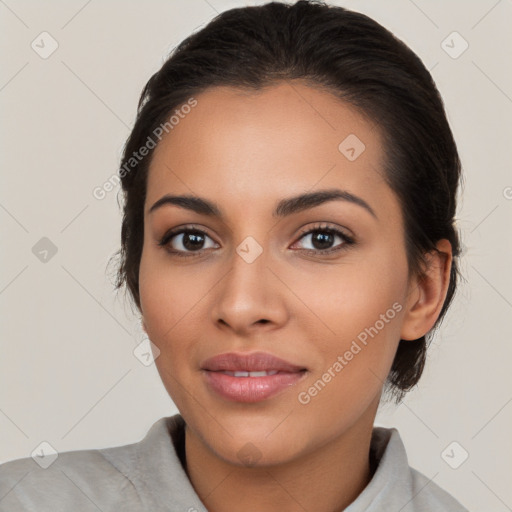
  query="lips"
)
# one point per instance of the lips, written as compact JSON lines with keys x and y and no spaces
{"x":255,"y":362}
{"x":250,"y":377}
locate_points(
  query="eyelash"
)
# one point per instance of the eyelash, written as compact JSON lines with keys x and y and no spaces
{"x":348,"y":241}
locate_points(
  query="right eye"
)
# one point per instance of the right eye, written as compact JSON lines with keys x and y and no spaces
{"x":185,"y":241}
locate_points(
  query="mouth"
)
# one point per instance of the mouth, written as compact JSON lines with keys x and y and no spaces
{"x":250,"y":378}
{"x":249,"y":387}
{"x":250,"y":363}
{"x":250,"y":374}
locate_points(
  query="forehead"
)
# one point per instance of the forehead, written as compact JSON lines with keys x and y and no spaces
{"x":255,"y":146}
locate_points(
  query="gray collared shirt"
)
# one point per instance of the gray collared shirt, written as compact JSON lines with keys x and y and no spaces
{"x":148,"y":476}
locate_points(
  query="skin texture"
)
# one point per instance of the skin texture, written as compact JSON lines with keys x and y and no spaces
{"x":245,"y":152}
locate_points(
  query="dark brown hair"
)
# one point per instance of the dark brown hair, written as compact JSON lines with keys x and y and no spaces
{"x":360,"y":62}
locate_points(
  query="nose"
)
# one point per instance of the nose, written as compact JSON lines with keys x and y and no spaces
{"x":250,"y":296}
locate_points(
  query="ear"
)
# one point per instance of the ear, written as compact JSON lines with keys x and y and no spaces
{"x":143,"y":325}
{"x":426,"y":293}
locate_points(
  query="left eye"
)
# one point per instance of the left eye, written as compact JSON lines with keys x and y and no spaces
{"x":324,"y":238}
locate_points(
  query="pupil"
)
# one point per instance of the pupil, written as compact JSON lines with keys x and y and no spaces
{"x":193,"y":241}
{"x":322,"y":239}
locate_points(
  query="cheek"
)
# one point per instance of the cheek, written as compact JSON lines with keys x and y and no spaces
{"x":358,"y":312}
{"x":166,"y":294}
{"x":343,"y":300}
{"x":355,"y":364}
{"x":167,"y":302}
{"x":172,"y":302}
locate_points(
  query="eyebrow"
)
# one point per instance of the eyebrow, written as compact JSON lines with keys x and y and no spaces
{"x":284,"y":208}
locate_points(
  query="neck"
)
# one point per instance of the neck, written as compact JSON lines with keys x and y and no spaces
{"x":328,"y":479}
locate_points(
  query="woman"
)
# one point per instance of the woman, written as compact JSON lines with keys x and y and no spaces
{"x":288,"y":239}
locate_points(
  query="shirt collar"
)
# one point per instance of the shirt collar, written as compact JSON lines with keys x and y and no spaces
{"x":162,"y":481}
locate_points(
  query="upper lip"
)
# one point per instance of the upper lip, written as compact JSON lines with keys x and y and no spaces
{"x":254,"y":362}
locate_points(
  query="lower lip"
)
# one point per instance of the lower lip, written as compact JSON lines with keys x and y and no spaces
{"x":250,"y":389}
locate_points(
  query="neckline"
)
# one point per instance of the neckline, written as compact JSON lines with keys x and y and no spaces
{"x":179,"y":445}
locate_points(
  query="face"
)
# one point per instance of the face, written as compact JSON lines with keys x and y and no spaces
{"x":321,"y":283}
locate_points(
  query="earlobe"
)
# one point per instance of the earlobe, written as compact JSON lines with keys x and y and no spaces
{"x":427,"y":293}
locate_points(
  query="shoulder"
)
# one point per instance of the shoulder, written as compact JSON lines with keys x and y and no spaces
{"x":76,"y":480}
{"x":396,"y":484}
{"x":429,"y":496}
{"x":133,"y":478}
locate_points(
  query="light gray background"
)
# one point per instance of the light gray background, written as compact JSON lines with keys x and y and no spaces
{"x":68,"y":374}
